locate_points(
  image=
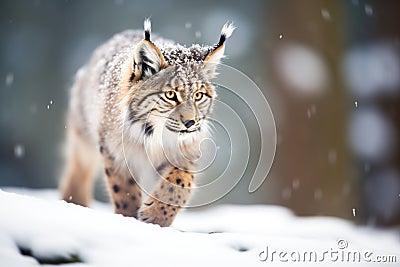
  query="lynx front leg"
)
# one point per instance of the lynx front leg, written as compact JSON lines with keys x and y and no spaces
{"x":170,"y":195}
{"x":125,"y":192}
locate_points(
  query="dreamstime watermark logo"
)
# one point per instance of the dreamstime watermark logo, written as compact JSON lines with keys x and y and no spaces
{"x":243,"y":128}
{"x":340,"y":254}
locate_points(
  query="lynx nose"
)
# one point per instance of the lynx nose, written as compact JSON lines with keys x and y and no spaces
{"x":189,"y":123}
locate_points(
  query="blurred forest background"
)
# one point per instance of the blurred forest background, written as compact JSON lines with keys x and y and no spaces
{"x":329,"y":69}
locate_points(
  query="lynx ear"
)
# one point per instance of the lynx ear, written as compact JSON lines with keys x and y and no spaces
{"x":147,"y":58}
{"x":214,"y":57}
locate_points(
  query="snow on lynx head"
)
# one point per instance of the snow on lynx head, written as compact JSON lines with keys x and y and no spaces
{"x":173,"y":93}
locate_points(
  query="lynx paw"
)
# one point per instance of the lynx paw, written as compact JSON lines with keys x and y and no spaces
{"x":156,"y":212}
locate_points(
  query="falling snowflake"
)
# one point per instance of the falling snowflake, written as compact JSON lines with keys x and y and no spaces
{"x":308,"y":113}
{"x":368,"y":10}
{"x":325,"y":14}
{"x":311,"y":111}
{"x":19,"y":151}
{"x":50,"y":103}
{"x":9,"y":79}
{"x":295,"y":183}
{"x":188,"y":25}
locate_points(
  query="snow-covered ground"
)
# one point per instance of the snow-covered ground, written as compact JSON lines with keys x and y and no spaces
{"x":36,"y":227}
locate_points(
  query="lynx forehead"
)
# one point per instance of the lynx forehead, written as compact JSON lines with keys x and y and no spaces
{"x":178,"y":54}
{"x":152,"y":99}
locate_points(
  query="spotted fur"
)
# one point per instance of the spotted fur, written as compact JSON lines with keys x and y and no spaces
{"x":141,"y":107}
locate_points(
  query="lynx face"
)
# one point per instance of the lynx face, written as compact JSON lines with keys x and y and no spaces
{"x":173,"y":94}
{"x":188,"y":100}
{"x":178,"y":99}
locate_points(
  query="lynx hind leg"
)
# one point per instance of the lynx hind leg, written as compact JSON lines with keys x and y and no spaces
{"x":124,"y":191}
{"x":77,"y":180}
{"x":170,"y":195}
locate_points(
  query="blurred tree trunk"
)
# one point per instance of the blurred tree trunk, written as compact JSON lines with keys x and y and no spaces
{"x":312,"y":163}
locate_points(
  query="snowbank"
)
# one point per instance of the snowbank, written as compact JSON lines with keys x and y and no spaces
{"x":39,"y":228}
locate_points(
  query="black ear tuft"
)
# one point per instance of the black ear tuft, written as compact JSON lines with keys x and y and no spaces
{"x":226,"y":32}
{"x":147,"y":29}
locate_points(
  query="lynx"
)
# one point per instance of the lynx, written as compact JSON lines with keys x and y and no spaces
{"x":139,"y":108}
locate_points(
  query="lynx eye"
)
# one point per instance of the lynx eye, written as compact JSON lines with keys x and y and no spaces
{"x":171,"y":95}
{"x":198,"y":96}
